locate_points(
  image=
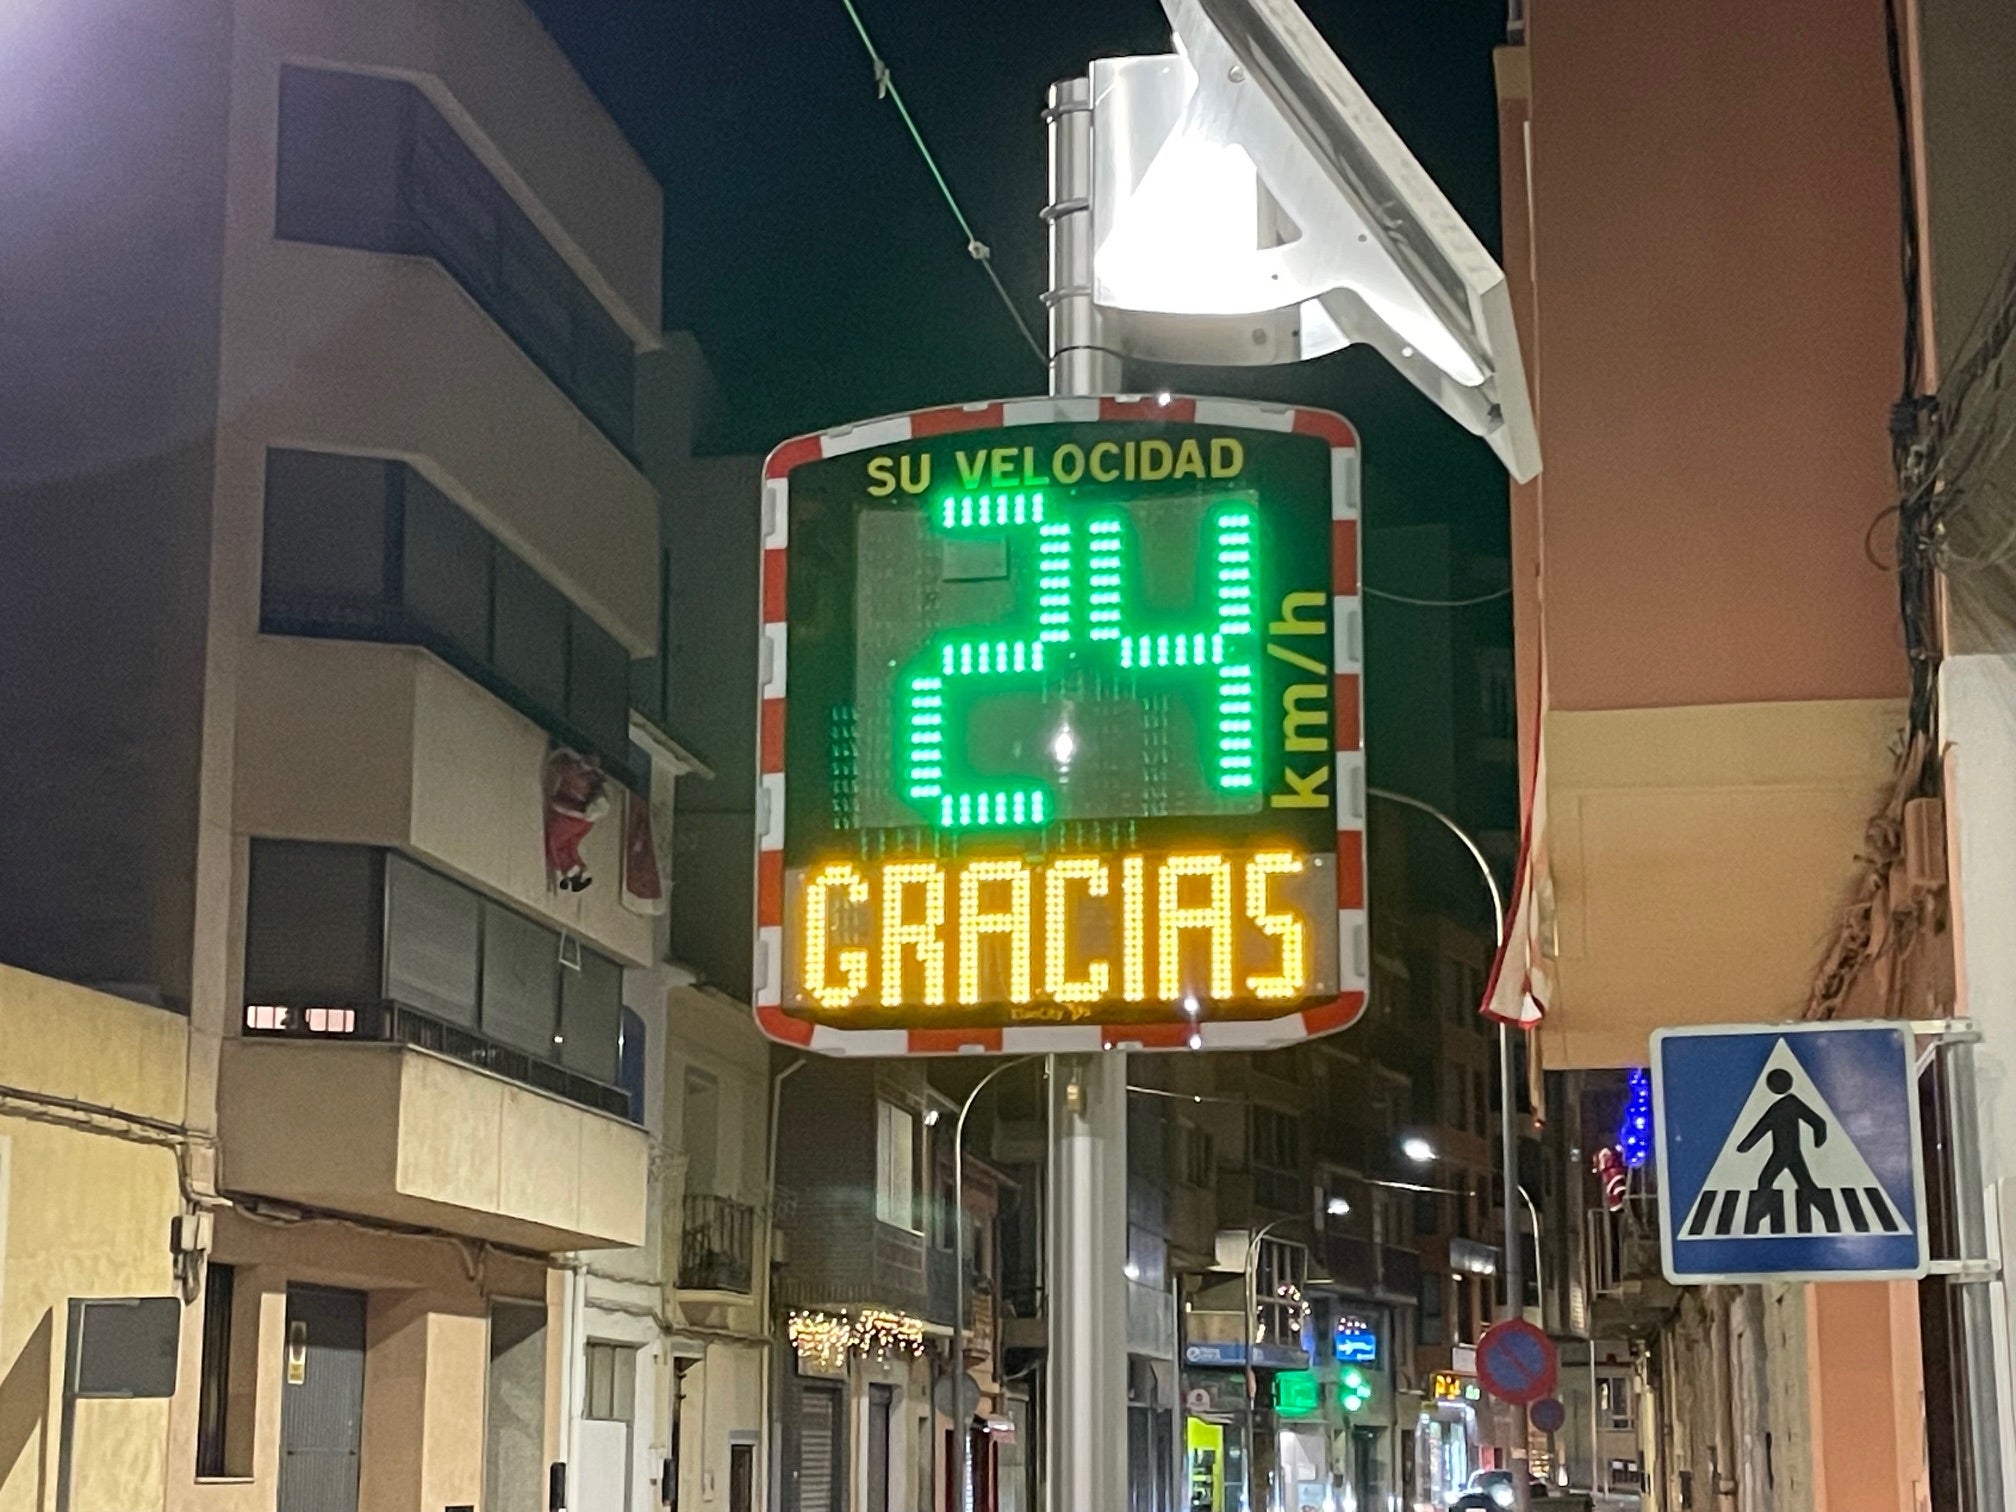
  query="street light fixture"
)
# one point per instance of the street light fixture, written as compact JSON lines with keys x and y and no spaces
{"x":1417,"y":1149}
{"x":963,"y":1458}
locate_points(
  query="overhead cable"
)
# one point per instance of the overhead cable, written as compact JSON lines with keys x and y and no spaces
{"x":1439,"y":603}
{"x":979,"y":251}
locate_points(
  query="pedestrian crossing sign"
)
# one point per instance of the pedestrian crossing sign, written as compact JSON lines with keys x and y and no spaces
{"x":1788,"y":1152}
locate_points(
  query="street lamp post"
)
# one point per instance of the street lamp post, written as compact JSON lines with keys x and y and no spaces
{"x":1515,"y":1283}
{"x":962,"y":1458}
{"x":1253,"y":1244}
{"x":1515,"y":1278}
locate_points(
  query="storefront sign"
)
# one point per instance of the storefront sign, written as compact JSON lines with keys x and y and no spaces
{"x":1234,"y":1355}
{"x":1447,"y":1386}
{"x":1356,"y":1341}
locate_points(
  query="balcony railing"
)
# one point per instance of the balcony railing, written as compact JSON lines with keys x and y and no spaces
{"x":393,"y":1023}
{"x":716,"y":1245}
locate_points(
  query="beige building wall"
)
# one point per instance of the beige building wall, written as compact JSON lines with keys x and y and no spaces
{"x":1702,"y":240}
{"x":1707,"y":281}
{"x":387,"y":745}
{"x":87,"y":1202}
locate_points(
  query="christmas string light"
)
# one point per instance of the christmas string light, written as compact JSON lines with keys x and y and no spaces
{"x":882,"y":1334}
{"x":821,"y":1339}
{"x":824,"y":1340}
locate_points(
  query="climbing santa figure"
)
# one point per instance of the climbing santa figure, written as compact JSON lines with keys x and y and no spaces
{"x":576,"y":798}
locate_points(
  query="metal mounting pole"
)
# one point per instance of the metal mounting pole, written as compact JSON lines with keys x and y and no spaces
{"x":1087,"y":1407}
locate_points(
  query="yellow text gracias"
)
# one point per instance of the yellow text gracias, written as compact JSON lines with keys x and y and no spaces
{"x":1074,"y":931}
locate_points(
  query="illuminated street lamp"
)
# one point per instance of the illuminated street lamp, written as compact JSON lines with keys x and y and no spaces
{"x":1251,"y":206}
{"x":1417,"y":1149}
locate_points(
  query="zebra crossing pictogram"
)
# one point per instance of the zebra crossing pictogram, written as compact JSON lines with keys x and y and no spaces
{"x":1831,"y":1188}
{"x":1788,"y":1151}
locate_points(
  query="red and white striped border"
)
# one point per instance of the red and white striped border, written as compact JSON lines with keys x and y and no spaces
{"x":1353,"y":942}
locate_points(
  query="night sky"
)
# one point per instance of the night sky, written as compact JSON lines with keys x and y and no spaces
{"x":810,"y":252}
{"x":808,"y":249}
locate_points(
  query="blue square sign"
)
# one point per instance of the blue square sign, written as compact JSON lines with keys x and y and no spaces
{"x":1788,"y":1152}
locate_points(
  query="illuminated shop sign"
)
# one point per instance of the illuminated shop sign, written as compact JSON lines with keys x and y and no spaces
{"x":1060,"y":727}
{"x":1356,"y":1341}
{"x":1447,"y":1386}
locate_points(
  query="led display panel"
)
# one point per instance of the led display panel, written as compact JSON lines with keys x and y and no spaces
{"x":1060,"y":730}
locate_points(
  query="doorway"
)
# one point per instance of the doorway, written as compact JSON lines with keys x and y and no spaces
{"x":608,"y":1425}
{"x":322,"y":1400}
{"x":514,"y":1424}
{"x":816,"y":1473}
{"x":881,"y":1410}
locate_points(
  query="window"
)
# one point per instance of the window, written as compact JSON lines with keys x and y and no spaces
{"x":530,"y":649}
{"x":1613,"y":1401}
{"x":612,"y":1382}
{"x":1427,"y":1215}
{"x":630,"y":1061}
{"x":370,"y":163}
{"x":361,"y":547}
{"x":896,"y":1166}
{"x":1200,"y":1160}
{"x":345,"y":926}
{"x":1277,"y":1160}
{"x":591,"y":1013}
{"x":445,"y":569}
{"x":1462,"y":991}
{"x":433,"y":949}
{"x":700,"y":1132}
{"x":223,"y":1447}
{"x":1147,"y":1258}
{"x":521,"y":981}
{"x":1434,"y":1319}
{"x":315,"y":927}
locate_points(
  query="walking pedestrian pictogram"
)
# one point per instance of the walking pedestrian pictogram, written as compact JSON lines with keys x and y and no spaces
{"x":1788,"y":1151}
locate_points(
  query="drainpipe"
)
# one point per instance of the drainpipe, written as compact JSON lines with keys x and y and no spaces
{"x":573,"y":1335}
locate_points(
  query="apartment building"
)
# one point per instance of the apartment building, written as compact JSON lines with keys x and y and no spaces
{"x":868,"y":1399}
{"x":1756,"y":280}
{"x":331,"y":557}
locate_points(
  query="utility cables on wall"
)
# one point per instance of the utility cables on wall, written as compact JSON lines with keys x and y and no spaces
{"x":979,"y":251}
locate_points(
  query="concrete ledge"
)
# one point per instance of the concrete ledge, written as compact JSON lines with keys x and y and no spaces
{"x":402,"y":1135}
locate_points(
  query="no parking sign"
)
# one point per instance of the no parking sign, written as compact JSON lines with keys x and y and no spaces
{"x":1517,"y":1362}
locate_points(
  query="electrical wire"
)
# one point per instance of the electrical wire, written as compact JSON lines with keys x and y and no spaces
{"x":1434,"y":603}
{"x":979,"y":251}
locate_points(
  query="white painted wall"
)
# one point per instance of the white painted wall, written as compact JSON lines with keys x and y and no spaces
{"x":1978,"y":709}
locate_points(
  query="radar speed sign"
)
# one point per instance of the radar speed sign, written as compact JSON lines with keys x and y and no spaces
{"x":1060,"y":732}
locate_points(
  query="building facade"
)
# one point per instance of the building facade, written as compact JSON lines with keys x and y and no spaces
{"x":1761,"y":614}
{"x":334,"y":556}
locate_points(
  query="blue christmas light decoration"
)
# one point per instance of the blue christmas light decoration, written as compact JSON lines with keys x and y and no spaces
{"x":1634,"y":1129}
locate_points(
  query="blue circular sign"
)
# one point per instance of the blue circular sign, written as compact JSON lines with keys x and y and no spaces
{"x":1516,"y":1362}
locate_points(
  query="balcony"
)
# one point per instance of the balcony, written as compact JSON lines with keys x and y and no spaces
{"x":387,"y":746}
{"x":716,"y":1245}
{"x":372,"y":355}
{"x":391,"y":1023}
{"x":1365,"y":1269}
{"x":843,"y":1257}
{"x":1628,"y":1291}
{"x":390,"y":1131}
